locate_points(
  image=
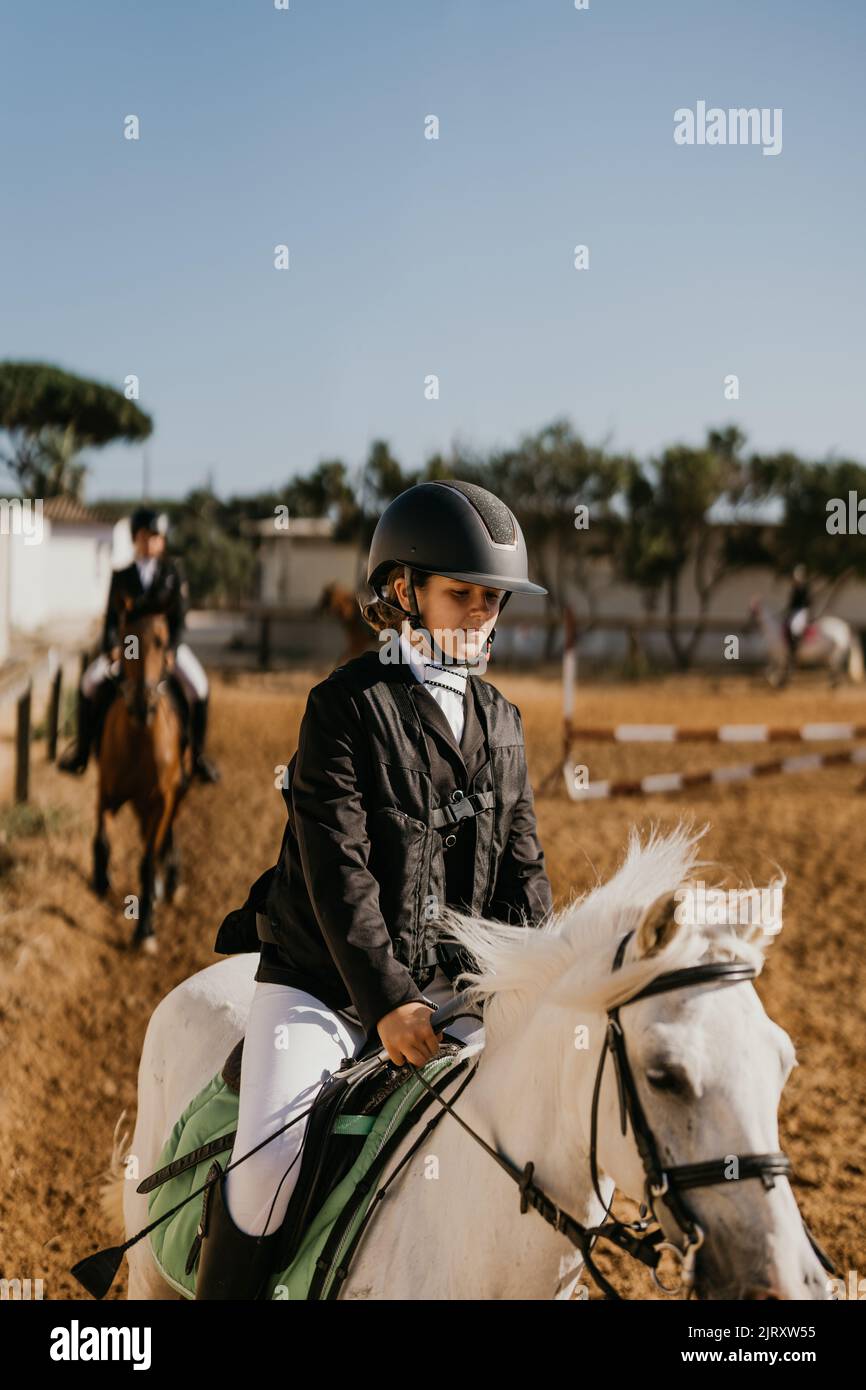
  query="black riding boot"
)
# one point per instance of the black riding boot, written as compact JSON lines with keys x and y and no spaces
{"x":203,"y":768}
{"x":231,"y":1263}
{"x":74,"y":758}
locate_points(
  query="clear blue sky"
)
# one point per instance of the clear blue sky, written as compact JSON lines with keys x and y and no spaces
{"x":411,"y":256}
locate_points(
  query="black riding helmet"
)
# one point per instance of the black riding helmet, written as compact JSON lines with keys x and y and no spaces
{"x":451,"y":528}
{"x":147,"y":519}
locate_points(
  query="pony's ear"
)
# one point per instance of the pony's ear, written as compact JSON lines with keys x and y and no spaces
{"x":766,"y":924}
{"x":658,"y":926}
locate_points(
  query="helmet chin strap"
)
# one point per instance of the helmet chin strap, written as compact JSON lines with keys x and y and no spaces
{"x":416,"y":621}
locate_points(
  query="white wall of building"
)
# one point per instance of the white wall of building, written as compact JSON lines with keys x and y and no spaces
{"x":63,"y":579}
{"x":295,"y":570}
{"x":5,"y":595}
{"x":122,"y":550}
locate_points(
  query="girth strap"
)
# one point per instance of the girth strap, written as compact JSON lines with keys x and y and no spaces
{"x":454,"y":811}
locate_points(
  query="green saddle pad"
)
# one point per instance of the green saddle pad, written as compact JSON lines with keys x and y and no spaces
{"x":213,"y":1113}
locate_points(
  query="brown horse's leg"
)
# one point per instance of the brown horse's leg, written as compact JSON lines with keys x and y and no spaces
{"x":101,"y":882}
{"x":155,"y":822}
{"x":175,"y":787}
{"x":149,"y":817}
{"x":172,"y":863}
{"x":155,"y":807}
{"x":107,"y":801}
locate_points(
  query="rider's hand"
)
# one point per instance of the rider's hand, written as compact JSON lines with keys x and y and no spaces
{"x":169,"y":658}
{"x":407,"y":1036}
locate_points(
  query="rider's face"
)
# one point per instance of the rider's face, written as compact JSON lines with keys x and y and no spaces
{"x":148,"y":543}
{"x":460,"y":615}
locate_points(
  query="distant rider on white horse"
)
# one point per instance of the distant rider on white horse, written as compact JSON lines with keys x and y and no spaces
{"x":799,"y":606}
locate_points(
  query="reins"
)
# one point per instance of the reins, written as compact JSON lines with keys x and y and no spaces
{"x":662,"y":1183}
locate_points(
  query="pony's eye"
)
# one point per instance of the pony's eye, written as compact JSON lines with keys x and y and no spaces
{"x":663,"y":1080}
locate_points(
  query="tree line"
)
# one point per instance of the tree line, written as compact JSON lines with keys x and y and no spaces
{"x":690,"y":515}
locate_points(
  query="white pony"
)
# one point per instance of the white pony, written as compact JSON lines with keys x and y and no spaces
{"x":826,"y":642}
{"x":708,"y":1063}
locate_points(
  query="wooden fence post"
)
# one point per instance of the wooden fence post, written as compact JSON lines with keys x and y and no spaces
{"x":22,"y":745}
{"x":265,"y":642}
{"x":54,"y":713}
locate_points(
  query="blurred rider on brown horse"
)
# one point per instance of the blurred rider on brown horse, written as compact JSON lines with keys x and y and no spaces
{"x":152,"y":584}
{"x":143,"y":762}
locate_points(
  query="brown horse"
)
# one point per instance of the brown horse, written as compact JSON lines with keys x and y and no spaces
{"x":342,"y":603}
{"x":142,"y":760}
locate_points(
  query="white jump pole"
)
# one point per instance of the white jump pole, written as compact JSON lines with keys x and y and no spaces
{"x":569,"y":672}
{"x":569,"y":683}
{"x":569,"y":690}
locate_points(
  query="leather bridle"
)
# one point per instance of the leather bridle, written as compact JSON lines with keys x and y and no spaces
{"x":140,"y":695}
{"x":662,"y":1182}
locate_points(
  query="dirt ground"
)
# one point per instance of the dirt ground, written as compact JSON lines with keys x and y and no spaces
{"x":74,"y":1003}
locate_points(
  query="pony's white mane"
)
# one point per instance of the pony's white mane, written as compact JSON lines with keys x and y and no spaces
{"x":569,"y":958}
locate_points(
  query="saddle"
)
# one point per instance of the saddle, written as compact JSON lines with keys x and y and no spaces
{"x":112,"y":688}
{"x":342,"y":1116}
{"x":329,"y":1148}
{"x":183,"y":709}
{"x":810,"y":632}
{"x":107,"y":692}
{"x":182,"y":706}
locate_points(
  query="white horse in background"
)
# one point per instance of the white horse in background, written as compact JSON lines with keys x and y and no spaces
{"x":827,"y":642}
{"x":708,"y":1063}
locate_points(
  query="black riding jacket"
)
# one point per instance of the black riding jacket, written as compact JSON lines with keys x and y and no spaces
{"x":800,"y":597}
{"x":168,"y":593}
{"x":388,"y":819}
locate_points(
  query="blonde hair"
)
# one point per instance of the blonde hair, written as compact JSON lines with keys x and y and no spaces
{"x":378,"y":615}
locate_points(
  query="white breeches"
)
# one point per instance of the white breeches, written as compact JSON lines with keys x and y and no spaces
{"x":191,"y":672}
{"x":292,"y":1043}
{"x":96,"y":674}
{"x":799,"y":620}
{"x":188,"y":669}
